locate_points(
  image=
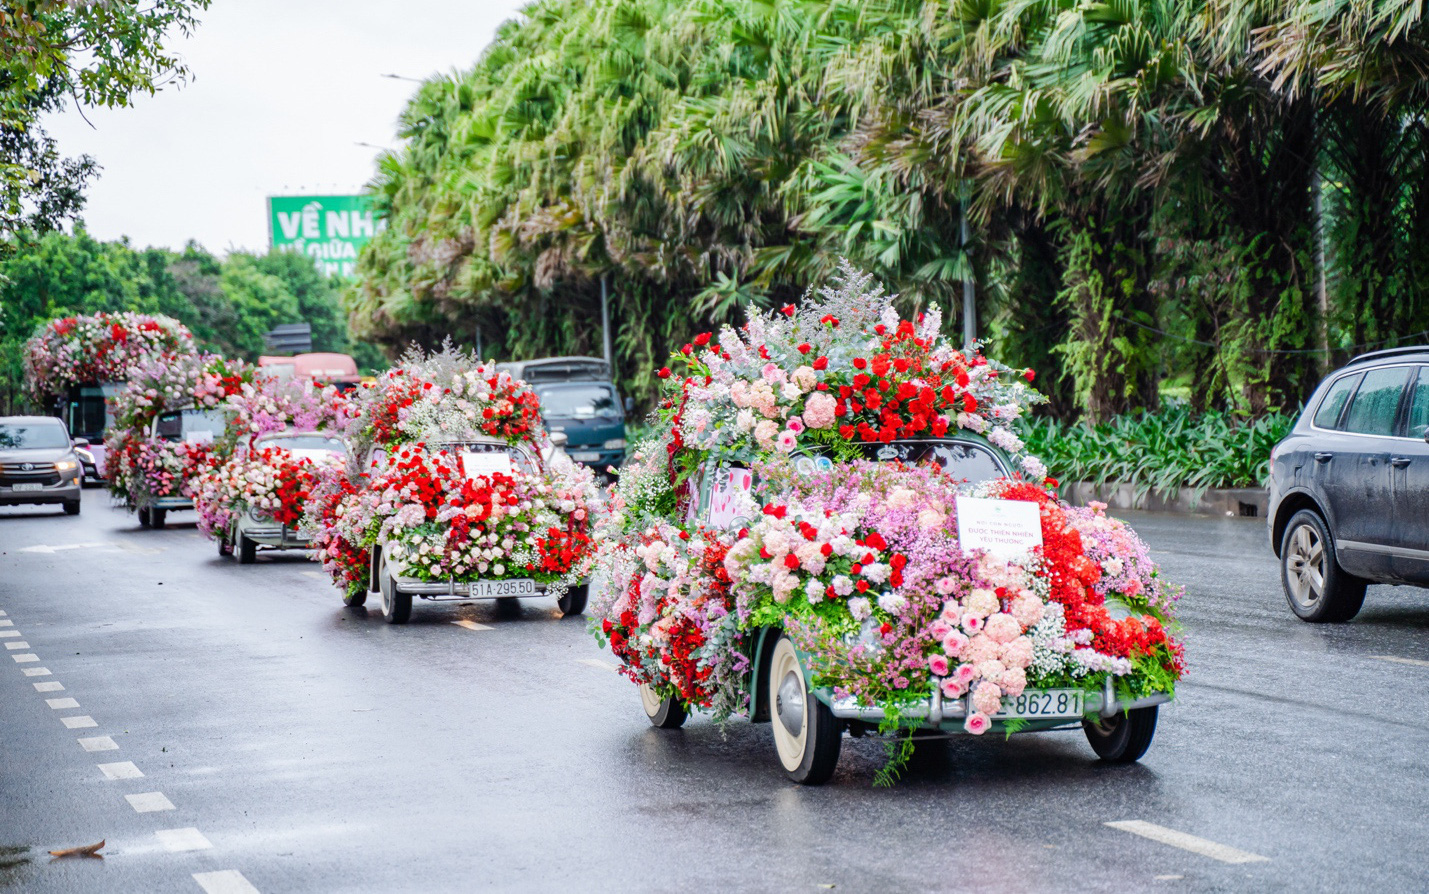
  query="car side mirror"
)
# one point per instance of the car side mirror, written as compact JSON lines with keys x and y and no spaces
{"x":560,"y":439}
{"x":630,"y":405}
{"x":80,"y":442}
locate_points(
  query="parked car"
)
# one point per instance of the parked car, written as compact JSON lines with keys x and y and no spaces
{"x":38,"y":463}
{"x":1349,"y":487}
{"x":579,"y":400}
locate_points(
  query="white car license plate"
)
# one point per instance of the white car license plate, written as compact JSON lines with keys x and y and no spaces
{"x":1037,"y":703}
{"x":495,"y":589}
{"x":29,"y":486}
{"x":585,"y":456}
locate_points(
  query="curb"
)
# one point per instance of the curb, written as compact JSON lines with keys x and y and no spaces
{"x":1244,"y":502}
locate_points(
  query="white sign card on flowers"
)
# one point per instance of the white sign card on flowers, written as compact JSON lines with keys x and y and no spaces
{"x":729,"y":497}
{"x":1005,"y":528}
{"x":475,"y":465}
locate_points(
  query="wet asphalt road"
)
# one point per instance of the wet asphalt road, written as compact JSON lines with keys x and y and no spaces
{"x":314,"y":748}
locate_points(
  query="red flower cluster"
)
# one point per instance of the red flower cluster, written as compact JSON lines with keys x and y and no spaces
{"x":878,"y":401}
{"x":295,"y":479}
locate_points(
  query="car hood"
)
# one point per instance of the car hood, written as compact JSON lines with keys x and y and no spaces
{"x":33,"y":454}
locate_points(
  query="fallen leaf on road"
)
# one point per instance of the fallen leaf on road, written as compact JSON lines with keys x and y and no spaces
{"x":89,"y":850}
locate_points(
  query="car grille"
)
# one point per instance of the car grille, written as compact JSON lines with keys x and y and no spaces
{"x":43,"y":473}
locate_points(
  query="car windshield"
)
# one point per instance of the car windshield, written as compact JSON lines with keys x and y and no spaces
{"x":308,"y":441}
{"x":33,"y":435}
{"x":963,"y":460}
{"x":578,"y":401}
{"x":193,"y":426}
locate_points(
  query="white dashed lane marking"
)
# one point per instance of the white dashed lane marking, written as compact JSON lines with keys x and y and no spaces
{"x":98,"y":743}
{"x":229,"y":881}
{"x":149,"y":802}
{"x":6,"y":633}
{"x":27,"y":658}
{"x":596,"y":662}
{"x":19,"y":645}
{"x":471,"y":625}
{"x":79,"y":721}
{"x":35,"y":671}
{"x":120,"y":770}
{"x":1414,"y":661}
{"x":6,"y":623}
{"x":1187,"y":842}
{"x":59,"y":704}
{"x":176,"y":840}
{"x":49,"y":686}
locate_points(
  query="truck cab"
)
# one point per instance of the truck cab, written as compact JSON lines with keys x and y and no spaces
{"x":579,"y":400}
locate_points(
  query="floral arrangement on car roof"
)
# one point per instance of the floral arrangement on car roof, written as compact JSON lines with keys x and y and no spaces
{"x":267,"y":478}
{"x":861,"y":563}
{"x":144,"y":466}
{"x":100,"y":347}
{"x":410,"y":493}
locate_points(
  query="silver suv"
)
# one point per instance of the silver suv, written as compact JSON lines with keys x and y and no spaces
{"x":38,"y":463}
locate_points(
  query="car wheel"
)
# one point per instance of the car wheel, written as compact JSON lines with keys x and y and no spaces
{"x":247,"y":549}
{"x":144,"y":520}
{"x":157,"y":517}
{"x":356,"y":597}
{"x":806,"y":734}
{"x":72,"y":507}
{"x":1317,"y":588}
{"x":396,"y":607}
{"x":1122,"y":738}
{"x":664,"y":713}
{"x":574,"y":600}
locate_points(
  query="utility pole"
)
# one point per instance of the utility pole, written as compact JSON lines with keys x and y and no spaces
{"x":605,"y":321}
{"x":969,"y":303}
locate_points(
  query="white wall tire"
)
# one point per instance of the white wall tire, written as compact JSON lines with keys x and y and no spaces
{"x":807,"y":736}
{"x":396,"y":607}
{"x":664,"y":713}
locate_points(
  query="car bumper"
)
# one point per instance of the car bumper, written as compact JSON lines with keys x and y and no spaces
{"x":447,"y":589}
{"x":596,"y":458}
{"x":275,"y":536}
{"x":66,"y":491}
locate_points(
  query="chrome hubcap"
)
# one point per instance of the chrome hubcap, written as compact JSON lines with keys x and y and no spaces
{"x":789,"y":703}
{"x":1305,"y":566}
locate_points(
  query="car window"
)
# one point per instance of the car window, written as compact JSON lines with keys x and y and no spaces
{"x":1328,"y":416}
{"x":33,"y":435}
{"x":578,"y":401}
{"x":1376,"y":403}
{"x":1419,"y":405}
{"x":964,"y":461}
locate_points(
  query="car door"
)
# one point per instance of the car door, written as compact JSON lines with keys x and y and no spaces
{"x":1409,"y":465}
{"x":1357,"y":479}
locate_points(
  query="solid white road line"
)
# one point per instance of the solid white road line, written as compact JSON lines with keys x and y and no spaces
{"x":35,"y":671}
{"x":79,"y":721}
{"x":596,"y":662}
{"x":98,"y":743}
{"x":229,"y":881}
{"x":471,"y":625}
{"x":176,"y":840}
{"x":27,"y":658}
{"x":17,"y":645}
{"x":149,"y":802}
{"x":1224,"y":853}
{"x":50,"y":686}
{"x":120,"y":770}
{"x":1414,"y":661}
{"x":60,"y":704}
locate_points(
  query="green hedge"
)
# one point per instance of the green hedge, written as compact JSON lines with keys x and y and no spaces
{"x":1162,"y":451}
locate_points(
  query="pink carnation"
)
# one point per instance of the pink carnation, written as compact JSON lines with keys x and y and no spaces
{"x":1027,"y":609}
{"x":1013,"y":681}
{"x":987,"y":698}
{"x":1017,"y":653}
{"x":979,"y":649}
{"x":819,"y":410}
{"x":1003,"y":628}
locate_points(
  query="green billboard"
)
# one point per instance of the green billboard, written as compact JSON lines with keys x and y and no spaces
{"x":329,"y":229}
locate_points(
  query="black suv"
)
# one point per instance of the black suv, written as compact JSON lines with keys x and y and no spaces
{"x":1349,"y":487}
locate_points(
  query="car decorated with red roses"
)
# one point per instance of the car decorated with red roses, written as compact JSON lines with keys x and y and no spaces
{"x":837,"y":530}
{"x":454,"y":493}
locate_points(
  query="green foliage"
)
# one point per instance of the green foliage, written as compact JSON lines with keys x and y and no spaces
{"x":228,"y":304}
{"x":1163,"y":451}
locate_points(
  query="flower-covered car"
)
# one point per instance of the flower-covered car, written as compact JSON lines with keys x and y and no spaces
{"x":171,"y":425}
{"x":284,"y":431}
{"x":76,"y":365}
{"x":453,"y":493}
{"x":838,"y":530}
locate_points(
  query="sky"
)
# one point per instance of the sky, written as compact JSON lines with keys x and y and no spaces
{"x":282,"y":94}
